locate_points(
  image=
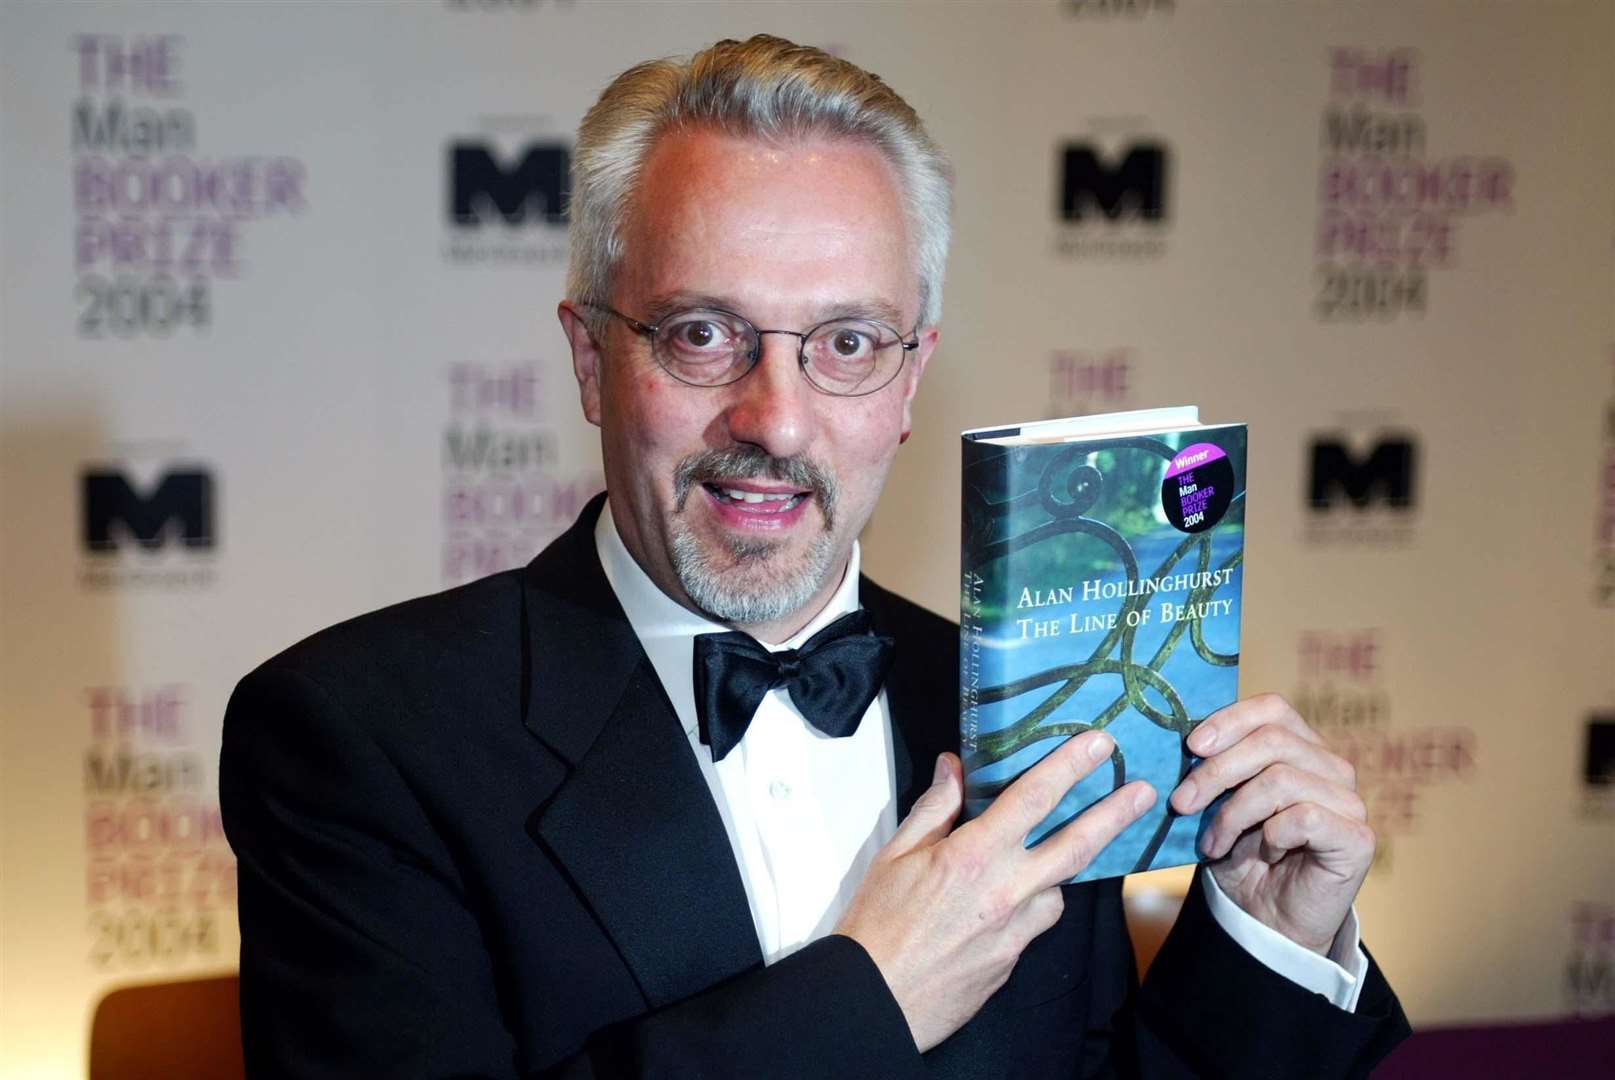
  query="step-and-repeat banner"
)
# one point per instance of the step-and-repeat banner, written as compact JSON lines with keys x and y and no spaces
{"x":277,"y":345}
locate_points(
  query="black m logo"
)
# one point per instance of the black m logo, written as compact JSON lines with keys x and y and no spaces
{"x":181,"y":503}
{"x":1600,"y":771}
{"x":480,"y":186}
{"x":1385,"y":474}
{"x":1135,"y":186}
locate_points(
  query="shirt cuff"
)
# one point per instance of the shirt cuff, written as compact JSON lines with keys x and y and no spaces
{"x":1338,"y":976}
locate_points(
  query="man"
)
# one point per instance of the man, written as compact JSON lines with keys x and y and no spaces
{"x":568,"y":821}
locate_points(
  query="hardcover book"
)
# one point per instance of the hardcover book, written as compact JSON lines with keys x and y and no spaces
{"x":1102,"y":560}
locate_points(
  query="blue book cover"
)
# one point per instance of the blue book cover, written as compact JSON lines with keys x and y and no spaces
{"x":1102,"y":559}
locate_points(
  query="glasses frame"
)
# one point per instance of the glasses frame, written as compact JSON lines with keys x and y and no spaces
{"x":649,"y":332}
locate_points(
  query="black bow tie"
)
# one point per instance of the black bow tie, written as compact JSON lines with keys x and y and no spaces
{"x":832,"y":679}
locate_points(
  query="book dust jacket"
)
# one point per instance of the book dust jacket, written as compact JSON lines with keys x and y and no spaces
{"x":1100,"y":591}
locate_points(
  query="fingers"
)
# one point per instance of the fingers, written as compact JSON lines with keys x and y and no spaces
{"x":1041,"y":911}
{"x":1341,"y":844}
{"x":1258,"y":749}
{"x":1037,"y":791}
{"x":1066,"y":853}
{"x":1273,"y":791}
{"x":934,"y":811}
{"x":1232,"y":723}
{"x":1034,"y":795}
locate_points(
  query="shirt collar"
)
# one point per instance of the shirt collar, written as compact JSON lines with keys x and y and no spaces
{"x":667,"y":629}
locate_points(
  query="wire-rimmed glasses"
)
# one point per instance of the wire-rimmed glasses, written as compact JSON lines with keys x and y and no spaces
{"x":846,"y":357}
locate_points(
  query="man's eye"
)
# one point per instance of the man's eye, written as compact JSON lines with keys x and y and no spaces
{"x":849,"y":343}
{"x":845,"y":343}
{"x":699,"y":336}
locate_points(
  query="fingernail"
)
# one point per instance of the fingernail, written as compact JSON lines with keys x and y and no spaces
{"x":1186,"y":794}
{"x":1142,"y":798}
{"x":1099,"y":748}
{"x":1204,"y":740}
{"x":941,"y":773}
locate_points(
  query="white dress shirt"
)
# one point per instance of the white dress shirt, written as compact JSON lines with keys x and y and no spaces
{"x":806,"y":813}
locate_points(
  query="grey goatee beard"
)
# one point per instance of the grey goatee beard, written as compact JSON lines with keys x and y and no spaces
{"x":756,"y":584}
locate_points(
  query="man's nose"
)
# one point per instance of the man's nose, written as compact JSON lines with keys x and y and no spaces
{"x":772,"y":407}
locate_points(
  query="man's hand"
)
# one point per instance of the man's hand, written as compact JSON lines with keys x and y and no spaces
{"x":945,"y":915}
{"x":1291,"y":846}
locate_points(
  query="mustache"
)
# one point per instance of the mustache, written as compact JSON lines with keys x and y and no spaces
{"x":739,"y":462}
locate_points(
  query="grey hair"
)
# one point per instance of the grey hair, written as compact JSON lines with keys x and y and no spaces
{"x":766,"y":88}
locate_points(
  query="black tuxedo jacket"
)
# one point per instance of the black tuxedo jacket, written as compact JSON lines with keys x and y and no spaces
{"x":473,"y":841}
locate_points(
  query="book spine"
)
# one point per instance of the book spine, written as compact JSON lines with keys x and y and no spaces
{"x":972,"y":612}
{"x":970,"y":636}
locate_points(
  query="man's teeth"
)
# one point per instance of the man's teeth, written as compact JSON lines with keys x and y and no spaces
{"x":758,"y":496}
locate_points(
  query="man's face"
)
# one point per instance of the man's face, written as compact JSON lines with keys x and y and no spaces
{"x":788,"y":236}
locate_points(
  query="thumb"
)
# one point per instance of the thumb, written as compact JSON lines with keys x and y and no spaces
{"x":935,"y":811}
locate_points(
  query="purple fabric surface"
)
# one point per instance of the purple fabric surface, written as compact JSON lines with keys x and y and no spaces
{"x":1566,"y":1050}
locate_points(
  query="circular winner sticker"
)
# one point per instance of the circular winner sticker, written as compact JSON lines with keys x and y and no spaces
{"x":1198,"y":487}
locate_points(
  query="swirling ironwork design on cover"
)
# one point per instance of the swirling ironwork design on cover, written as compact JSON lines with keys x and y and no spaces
{"x":1066,"y":489}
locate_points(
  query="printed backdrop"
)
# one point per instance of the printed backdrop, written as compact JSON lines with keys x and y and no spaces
{"x":277,"y":345}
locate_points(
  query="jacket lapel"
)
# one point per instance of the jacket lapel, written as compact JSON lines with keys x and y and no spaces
{"x":632,"y":822}
{"x":923,"y":700}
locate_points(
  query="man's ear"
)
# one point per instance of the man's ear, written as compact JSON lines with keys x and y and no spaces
{"x":586,"y":358}
{"x":911,"y":378}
